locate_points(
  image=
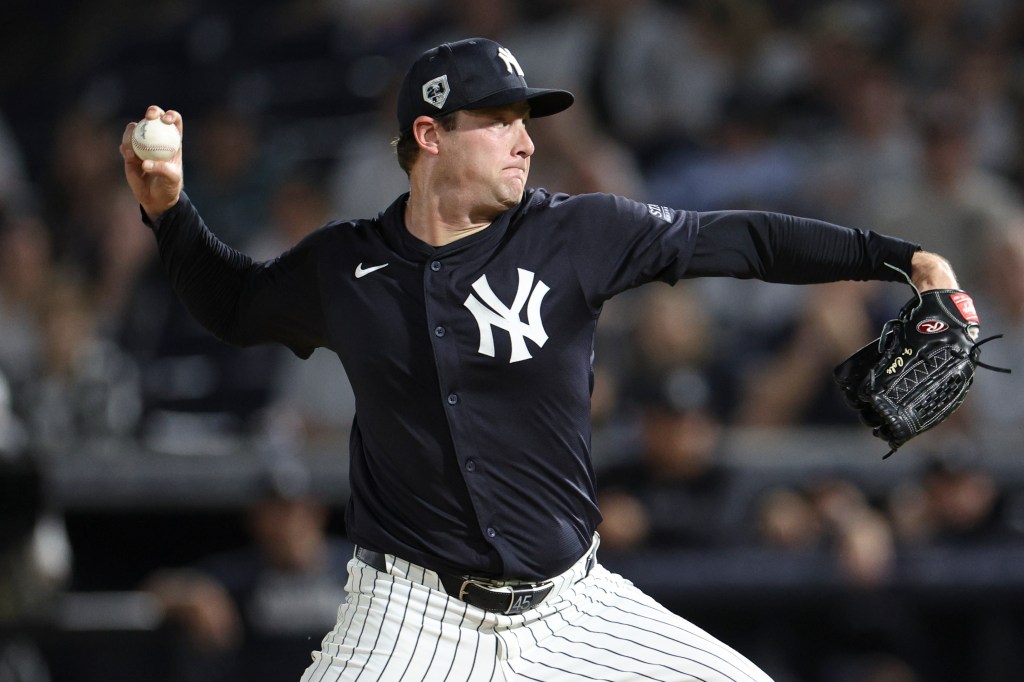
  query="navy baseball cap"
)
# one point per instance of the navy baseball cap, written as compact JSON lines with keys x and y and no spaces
{"x":470,"y":74}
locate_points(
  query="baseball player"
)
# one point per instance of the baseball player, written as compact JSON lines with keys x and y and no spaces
{"x":464,"y":315}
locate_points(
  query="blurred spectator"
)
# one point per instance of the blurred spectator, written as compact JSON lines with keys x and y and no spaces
{"x":676,"y":492}
{"x":646,"y":336}
{"x":230,"y":174}
{"x":255,"y":613}
{"x":35,"y":560}
{"x":12,"y":432}
{"x":124,"y":254}
{"x":983,"y":77}
{"x":669,"y":329}
{"x":381,"y":21}
{"x":34,"y":568}
{"x":83,"y":183}
{"x":956,"y":503}
{"x":83,"y":389}
{"x":834,"y":45}
{"x":863,"y":541}
{"x":787,"y":520}
{"x":872,"y":147}
{"x":312,"y":402}
{"x":745,"y":163}
{"x":366,"y":174}
{"x":858,"y":632}
{"x":198,"y":397}
{"x":91,"y":221}
{"x":932,"y":36}
{"x":749,"y":320}
{"x":492,"y":19}
{"x":653,"y":72}
{"x":295,"y":62}
{"x":26,"y":269}
{"x":988,"y":414}
{"x":832,"y":516}
{"x":16,"y":192}
{"x":947,"y":207}
{"x":794,"y":386}
{"x":299,"y":203}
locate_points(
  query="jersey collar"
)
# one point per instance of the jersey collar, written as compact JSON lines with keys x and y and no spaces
{"x":393,"y":224}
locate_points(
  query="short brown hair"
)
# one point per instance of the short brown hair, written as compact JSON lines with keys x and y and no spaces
{"x":406,"y":147}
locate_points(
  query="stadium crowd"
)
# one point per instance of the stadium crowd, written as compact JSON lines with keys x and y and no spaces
{"x":902,"y":116}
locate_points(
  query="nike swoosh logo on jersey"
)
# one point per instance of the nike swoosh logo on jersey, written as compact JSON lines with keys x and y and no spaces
{"x":363,"y":272}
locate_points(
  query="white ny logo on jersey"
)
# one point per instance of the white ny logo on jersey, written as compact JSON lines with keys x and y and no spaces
{"x":490,"y":312}
{"x":510,"y":61}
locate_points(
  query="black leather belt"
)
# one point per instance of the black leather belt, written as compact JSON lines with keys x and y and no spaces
{"x":482,"y":593}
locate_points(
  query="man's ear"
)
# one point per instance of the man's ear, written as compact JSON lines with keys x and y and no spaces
{"x":426,"y":130}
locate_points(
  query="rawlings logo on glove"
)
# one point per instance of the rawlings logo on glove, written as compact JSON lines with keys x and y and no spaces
{"x":918,"y":371}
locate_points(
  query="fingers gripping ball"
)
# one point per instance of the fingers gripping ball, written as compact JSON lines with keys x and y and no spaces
{"x":918,"y":372}
{"x":154,"y":140}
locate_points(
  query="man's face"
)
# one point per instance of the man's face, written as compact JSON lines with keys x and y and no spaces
{"x":487,"y":155}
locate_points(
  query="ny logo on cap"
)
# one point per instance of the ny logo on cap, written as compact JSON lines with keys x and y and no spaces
{"x":510,"y":61}
{"x":435,"y":91}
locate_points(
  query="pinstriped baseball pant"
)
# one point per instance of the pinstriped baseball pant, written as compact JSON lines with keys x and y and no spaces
{"x":401,"y":626}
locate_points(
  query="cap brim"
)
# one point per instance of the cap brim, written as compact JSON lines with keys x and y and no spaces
{"x":543,"y":102}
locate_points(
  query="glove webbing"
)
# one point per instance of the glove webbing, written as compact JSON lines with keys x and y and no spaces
{"x":954,"y":385}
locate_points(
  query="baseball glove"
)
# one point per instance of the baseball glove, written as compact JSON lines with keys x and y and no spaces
{"x":918,"y":371}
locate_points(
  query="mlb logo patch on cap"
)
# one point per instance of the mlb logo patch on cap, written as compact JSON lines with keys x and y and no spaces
{"x":435,"y":91}
{"x":471,"y":74}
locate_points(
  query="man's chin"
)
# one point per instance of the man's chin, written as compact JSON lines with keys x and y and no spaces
{"x":514,"y":194}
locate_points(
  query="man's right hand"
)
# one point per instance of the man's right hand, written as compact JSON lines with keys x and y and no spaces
{"x":156,"y":184}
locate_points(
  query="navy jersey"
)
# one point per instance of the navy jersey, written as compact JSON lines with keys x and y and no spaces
{"x":471,"y":363}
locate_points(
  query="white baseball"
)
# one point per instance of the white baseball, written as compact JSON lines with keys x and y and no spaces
{"x":154,"y":140}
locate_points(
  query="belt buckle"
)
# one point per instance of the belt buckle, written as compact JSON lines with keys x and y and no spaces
{"x":467,"y":582}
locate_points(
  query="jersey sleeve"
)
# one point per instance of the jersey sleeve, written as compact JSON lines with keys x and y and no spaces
{"x":618,"y":243}
{"x":775,"y":247}
{"x":241,"y":301}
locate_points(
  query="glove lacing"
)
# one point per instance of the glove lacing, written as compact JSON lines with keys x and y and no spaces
{"x":887,"y":328}
{"x":976,"y":355}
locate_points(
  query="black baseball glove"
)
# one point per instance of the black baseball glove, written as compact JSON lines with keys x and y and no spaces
{"x":918,"y":372}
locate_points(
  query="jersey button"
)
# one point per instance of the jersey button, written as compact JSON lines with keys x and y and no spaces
{"x":452,"y":398}
{"x":439,"y":331}
{"x":491,"y":533}
{"x":435,"y":265}
{"x":470,"y":465}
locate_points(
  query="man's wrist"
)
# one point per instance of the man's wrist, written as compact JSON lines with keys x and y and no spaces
{"x":154,"y":213}
{"x":932,"y":271}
